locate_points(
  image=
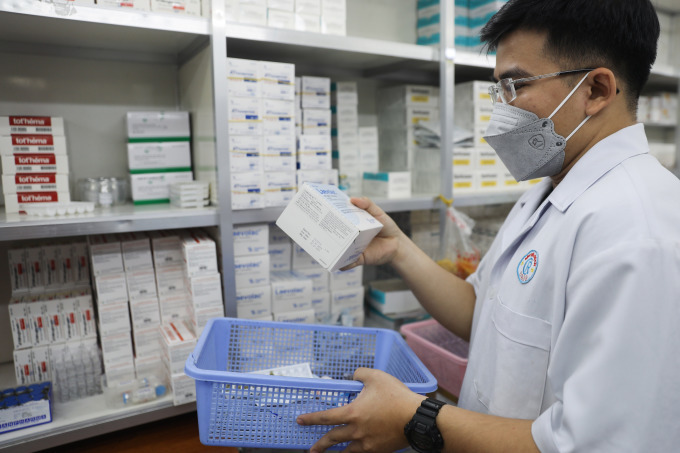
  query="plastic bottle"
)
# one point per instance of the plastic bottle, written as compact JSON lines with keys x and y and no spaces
{"x":144,"y":390}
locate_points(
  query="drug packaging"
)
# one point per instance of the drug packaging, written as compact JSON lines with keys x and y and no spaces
{"x":323,"y":221}
{"x":251,"y":239}
{"x":32,"y":125}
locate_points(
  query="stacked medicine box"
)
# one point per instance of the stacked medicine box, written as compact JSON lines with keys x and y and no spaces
{"x":314,"y":156}
{"x":345,"y":136}
{"x":34,"y":161}
{"x":319,"y":16}
{"x":52,"y":319}
{"x":180,"y":7}
{"x":252,"y":271}
{"x":261,"y":133}
{"x":159,"y":154}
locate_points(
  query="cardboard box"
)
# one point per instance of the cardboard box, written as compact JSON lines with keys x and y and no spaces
{"x":278,"y":79}
{"x":23,"y":367}
{"x":314,"y":152}
{"x":315,"y":92}
{"x":146,"y":156}
{"x":136,"y":249}
{"x":170,"y":280}
{"x":16,"y":203}
{"x":280,"y":256}
{"x":279,"y":153}
{"x":206,"y":291}
{"x":317,"y":177}
{"x":31,"y":125}
{"x":114,"y":319}
{"x":254,"y":302}
{"x":34,"y":182}
{"x":35,"y":262}
{"x":20,"y":323}
{"x":279,"y":188}
{"x":281,"y":19}
{"x":319,"y":276}
{"x":147,"y":342}
{"x":307,"y":221}
{"x":106,"y":254}
{"x":150,"y":365}
{"x":34,"y":163}
{"x":174,"y":307}
{"x":251,"y":239}
{"x":278,"y":117}
{"x":243,"y":77}
{"x":290,"y":292}
{"x":111,"y":289}
{"x":178,"y":342}
{"x":167,"y":249}
{"x":251,"y":270}
{"x":199,"y":254}
{"x":344,"y":93}
{"x":117,"y":351}
{"x":145,"y":313}
{"x":252,"y":14}
{"x":244,"y":116}
{"x":201,"y":317}
{"x":183,"y":389}
{"x":155,"y":187}
{"x":347,"y":299}
{"x":85,"y":310}
{"x":387,"y":184}
{"x":349,"y":279}
{"x":316,"y":121}
{"x":158,"y":125}
{"x":245,"y":153}
{"x":308,"y":22}
{"x":247,"y":191}
{"x":141,"y":284}
{"x":392,"y":296}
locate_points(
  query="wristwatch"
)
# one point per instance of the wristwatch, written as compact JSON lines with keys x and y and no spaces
{"x":422,"y":432}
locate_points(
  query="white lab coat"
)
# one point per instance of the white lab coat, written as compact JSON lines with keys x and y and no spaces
{"x":589,"y":345}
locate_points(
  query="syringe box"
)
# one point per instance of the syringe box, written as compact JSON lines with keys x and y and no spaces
{"x":323,"y":221}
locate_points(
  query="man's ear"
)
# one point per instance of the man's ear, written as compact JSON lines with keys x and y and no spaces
{"x":603,"y":90}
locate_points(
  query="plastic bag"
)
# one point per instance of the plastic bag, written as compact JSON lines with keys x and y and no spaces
{"x":459,"y":255}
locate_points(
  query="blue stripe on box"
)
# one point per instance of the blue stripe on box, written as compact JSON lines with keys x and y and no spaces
{"x":376,"y":176}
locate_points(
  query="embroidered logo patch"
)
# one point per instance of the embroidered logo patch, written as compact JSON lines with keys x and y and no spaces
{"x":527,"y":267}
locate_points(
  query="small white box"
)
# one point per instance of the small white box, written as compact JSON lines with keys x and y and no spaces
{"x":84,"y":308}
{"x":34,"y":182}
{"x":155,"y":187}
{"x":283,"y":5}
{"x":280,"y":255}
{"x":178,"y":343}
{"x":319,"y":276}
{"x":252,"y":14}
{"x":136,"y":249}
{"x":316,"y":92}
{"x":17,"y":203}
{"x":352,"y":278}
{"x":317,"y":177}
{"x":18,"y":271}
{"x":35,"y":262}
{"x":206,"y":291}
{"x":281,"y":19}
{"x":333,"y":24}
{"x":23,"y":367}
{"x":347,"y":299}
{"x":278,"y":117}
{"x":31,"y":125}
{"x":290,"y":292}
{"x":156,"y":155}
{"x":246,"y":190}
{"x":243,"y":78}
{"x":167,"y":248}
{"x":489,"y":179}
{"x":307,"y":221}
{"x":314,"y":152}
{"x":21,"y":325}
{"x":41,"y":364}
{"x":464,"y":158}
{"x":279,"y":188}
{"x":321,"y":303}
{"x":114,"y":319}
{"x":200,"y":254}
{"x":316,"y":121}
{"x":251,"y":239}
{"x":245,"y":153}
{"x":158,"y":125}
{"x":307,"y":316}
{"x":244,"y":116}
{"x":334,"y":6}
{"x":302,"y":259}
{"x":251,"y":270}
{"x":145,"y":313}
{"x":142,"y":5}
{"x":111,"y":289}
{"x":279,"y":153}
{"x":308,"y":6}
{"x":34,"y":163}
{"x":106,"y":254}
{"x":183,"y":389}
{"x":276,"y":236}
{"x":32,"y":144}
{"x":278,"y":80}
{"x":343,"y":93}
{"x":201,"y":317}
{"x":253,"y":302}
{"x":117,"y":350}
{"x":175,"y":307}
{"x":170,"y":280}
{"x":387,"y":184}
{"x":37,"y":323}
{"x":464,"y":180}
{"x":147,"y":342}
{"x":307,"y":22}
{"x":392,"y":296}
{"x":141,"y":284}
{"x":151,"y":365}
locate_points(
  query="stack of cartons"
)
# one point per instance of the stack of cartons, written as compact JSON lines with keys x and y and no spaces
{"x":347,"y":296}
{"x":346,"y":154}
{"x":252,"y":268}
{"x":281,"y":14}
{"x":34,"y":161}
{"x":159,"y":154}
{"x":178,"y":342}
{"x":369,"y":149}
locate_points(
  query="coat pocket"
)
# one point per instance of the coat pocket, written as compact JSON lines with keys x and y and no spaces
{"x":511,"y":377}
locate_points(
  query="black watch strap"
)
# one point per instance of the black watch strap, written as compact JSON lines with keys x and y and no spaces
{"x":422,"y":431}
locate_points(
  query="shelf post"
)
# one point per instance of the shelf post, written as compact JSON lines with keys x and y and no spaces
{"x":446,"y":100}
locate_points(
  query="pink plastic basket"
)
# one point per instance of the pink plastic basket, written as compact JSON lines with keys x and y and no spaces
{"x":443,"y":353}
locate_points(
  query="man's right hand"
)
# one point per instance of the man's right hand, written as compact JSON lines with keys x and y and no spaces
{"x":385,"y":246}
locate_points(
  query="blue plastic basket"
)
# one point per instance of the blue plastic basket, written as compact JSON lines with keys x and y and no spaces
{"x":239,"y":409}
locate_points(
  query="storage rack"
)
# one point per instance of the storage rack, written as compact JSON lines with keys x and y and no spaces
{"x":191,"y":52}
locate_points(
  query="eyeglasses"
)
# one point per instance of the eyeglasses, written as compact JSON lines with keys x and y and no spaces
{"x":505,"y":89}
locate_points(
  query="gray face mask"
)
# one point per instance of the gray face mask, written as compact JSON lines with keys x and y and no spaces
{"x":528,"y":145}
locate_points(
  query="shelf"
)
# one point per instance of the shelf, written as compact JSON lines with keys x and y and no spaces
{"x":481,"y":198}
{"x":664,"y":76}
{"x":665,"y":125}
{"x":350,"y":54}
{"x":82,"y":418}
{"x":37,"y":27}
{"x":120,"y":219}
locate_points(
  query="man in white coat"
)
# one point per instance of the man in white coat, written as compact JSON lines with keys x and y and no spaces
{"x":573,"y":315}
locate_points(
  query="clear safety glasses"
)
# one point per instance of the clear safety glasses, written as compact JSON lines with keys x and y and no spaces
{"x":504,"y":91}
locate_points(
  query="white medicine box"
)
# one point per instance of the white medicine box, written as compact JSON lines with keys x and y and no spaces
{"x":387,"y":184}
{"x":323,"y":221}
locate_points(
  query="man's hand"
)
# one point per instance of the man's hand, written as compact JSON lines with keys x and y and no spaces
{"x":384,"y":247}
{"x":374,"y":421}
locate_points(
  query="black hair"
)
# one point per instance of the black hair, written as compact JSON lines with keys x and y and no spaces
{"x":620,"y":35}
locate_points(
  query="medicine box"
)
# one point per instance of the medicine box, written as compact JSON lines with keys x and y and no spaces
{"x":315,"y":92}
{"x":246,"y":190}
{"x":343,"y":93}
{"x":167,"y":248}
{"x":278,"y":79}
{"x":347,"y":299}
{"x":34,"y":163}
{"x":243,"y":78}
{"x":158,"y":125}
{"x":151,"y":365}
{"x":34,"y":182}
{"x":278,"y":117}
{"x":117,"y":350}
{"x":319,"y":276}
{"x":392,"y":296}
{"x":145,"y":313}
{"x":170,"y":280}
{"x":147,"y":341}
{"x":308,"y":22}
{"x":314,"y":152}
{"x":253,"y":302}
{"x":279,"y":153}
{"x":141,"y":284}
{"x":32,"y":145}
{"x":251,"y":239}
{"x":155,"y":187}
{"x":174,"y":307}
{"x":408,"y":95}
{"x":42,"y":371}
{"x":159,"y":155}
{"x":142,"y":5}
{"x":106,"y":254}
{"x":290,"y":292}
{"x":20,"y":325}
{"x":35,"y":263}
{"x":387,"y":184}
{"x":349,"y":279}
{"x":464,"y":180}
{"x":251,"y":270}
{"x":23,"y":367}
{"x":85,"y":310}
{"x":244,"y":116}
{"x":252,"y":14}
{"x":279,"y":188}
{"x":245,"y":153}
{"x":323,"y":221}
{"x":206,"y":291}
{"x":136,"y":249}
{"x":113,"y":319}
{"x":183,"y":389}
{"x":280,"y":19}
{"x":306,"y":316}
{"x":316,"y":121}
{"x":31,"y":125}
{"x":178,"y":342}
{"x":333,"y":23}
{"x":302,"y":259}
{"x":317,"y":177}
{"x":280,"y":256}
{"x":200,"y":254}
{"x":185,"y":7}
{"x":321,"y":303}
{"x":200,"y":317}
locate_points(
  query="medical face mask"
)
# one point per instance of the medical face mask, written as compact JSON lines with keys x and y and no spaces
{"x":528,"y":145}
